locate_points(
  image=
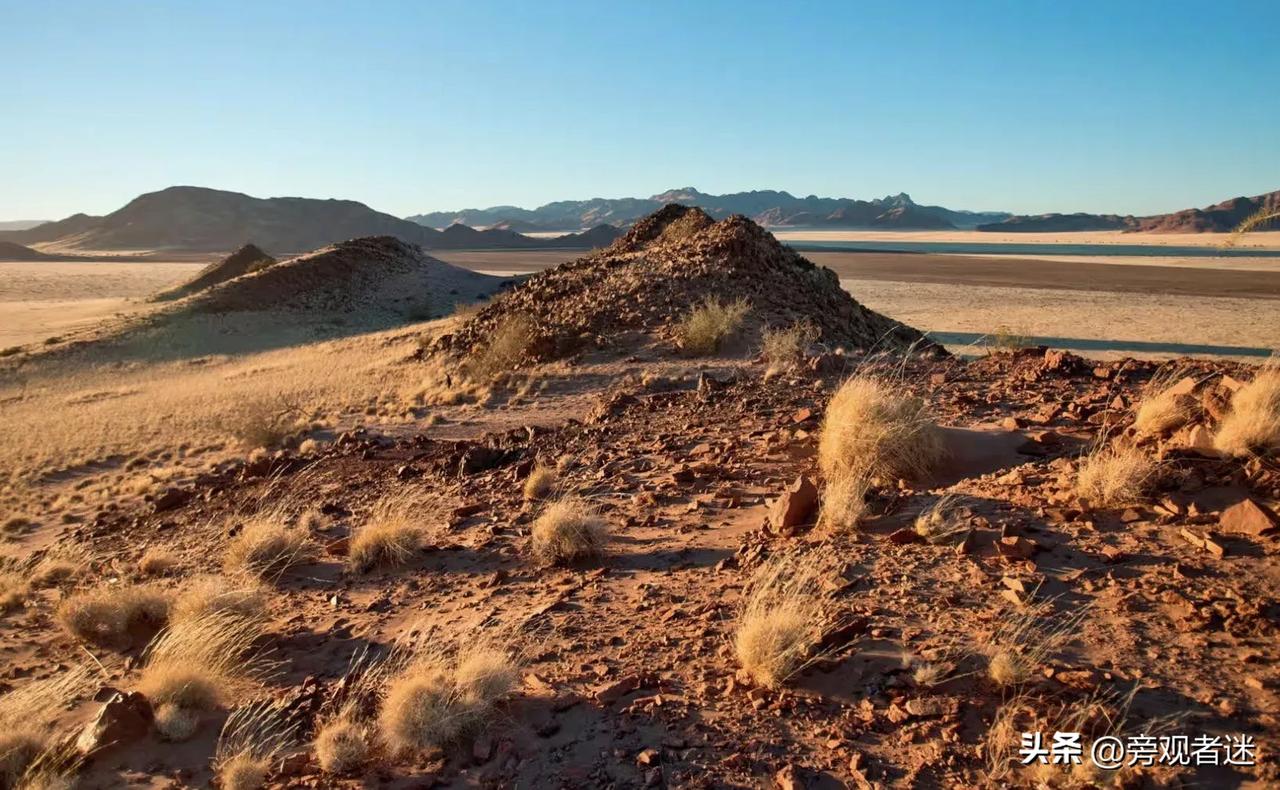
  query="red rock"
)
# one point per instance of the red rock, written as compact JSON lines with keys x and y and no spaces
{"x":1017,"y":548}
{"x":1248,"y":518}
{"x":124,"y":717}
{"x":1184,"y":386}
{"x":905,"y":536}
{"x":797,"y":506}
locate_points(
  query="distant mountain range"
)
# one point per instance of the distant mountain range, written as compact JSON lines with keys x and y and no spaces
{"x":195,"y":219}
{"x":1220,"y":218}
{"x":20,"y":224}
{"x":767,"y":207}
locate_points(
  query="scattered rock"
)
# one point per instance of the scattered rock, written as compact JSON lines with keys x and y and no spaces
{"x":797,"y":506}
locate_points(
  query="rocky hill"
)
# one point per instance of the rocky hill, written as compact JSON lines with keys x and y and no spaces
{"x":766,"y":207}
{"x":16,"y":252}
{"x":667,"y":264}
{"x":195,"y":219}
{"x":245,"y":260}
{"x":1220,"y":218}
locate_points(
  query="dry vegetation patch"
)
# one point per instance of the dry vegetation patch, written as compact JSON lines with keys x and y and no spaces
{"x":844,"y":500}
{"x":781,"y":620}
{"x":1253,"y":424}
{"x":244,"y":597}
{"x":568,"y":530}
{"x":1116,"y":474}
{"x":509,"y":346}
{"x":785,"y":348}
{"x":391,"y":536}
{"x":27,"y":716}
{"x":267,"y":545}
{"x":114,"y":615}
{"x":705,"y":328}
{"x":870,"y":426}
{"x":540,"y":483}
{"x":250,"y":743}
{"x":1026,"y":640}
{"x":1167,"y":403}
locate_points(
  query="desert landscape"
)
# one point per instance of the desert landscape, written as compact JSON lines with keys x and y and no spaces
{"x":376,"y":410}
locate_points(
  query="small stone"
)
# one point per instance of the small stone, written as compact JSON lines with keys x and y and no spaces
{"x":797,"y":505}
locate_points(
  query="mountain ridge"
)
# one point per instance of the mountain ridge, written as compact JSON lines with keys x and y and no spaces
{"x":1221,"y":217}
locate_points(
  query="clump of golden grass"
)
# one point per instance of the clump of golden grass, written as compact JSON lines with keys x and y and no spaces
{"x":508,"y":348}
{"x":267,"y":546}
{"x":241,"y":596}
{"x":781,"y":620}
{"x":195,"y":666}
{"x":540,"y":483}
{"x":785,"y":348}
{"x":57,"y":767}
{"x":157,"y":561}
{"x":567,"y":530}
{"x":1115,"y":474}
{"x":868,"y":426}
{"x":844,"y":500}
{"x":15,"y":525}
{"x":436,"y":700}
{"x":27,"y":716}
{"x":262,"y":421}
{"x":1253,"y":424}
{"x":61,"y":564}
{"x":391,"y":536}
{"x":252,"y":739}
{"x":346,"y":726}
{"x":705,"y":328}
{"x":941,"y":521}
{"x":1006,"y":339}
{"x":1025,"y":641}
{"x":112,"y":614}
{"x":14,"y":588}
{"x":1163,"y":407}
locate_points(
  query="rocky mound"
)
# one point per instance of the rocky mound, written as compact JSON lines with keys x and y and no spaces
{"x":245,"y":260}
{"x":668,"y":263}
{"x":16,"y":252}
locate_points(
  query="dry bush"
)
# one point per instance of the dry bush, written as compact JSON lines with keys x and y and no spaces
{"x":784,"y":349}
{"x":1025,"y":641}
{"x":15,"y":525}
{"x":1005,"y":340}
{"x":567,"y":530}
{"x":436,"y":700}
{"x":157,"y":561}
{"x":241,"y":596}
{"x":267,"y":546}
{"x":781,"y":620}
{"x":251,"y":741}
{"x":705,"y":328}
{"x":56,"y":767}
{"x":113,"y":615}
{"x":941,"y":521}
{"x":1253,"y":424}
{"x":14,"y":588}
{"x":509,"y":347}
{"x":540,"y":483}
{"x":63,"y":563}
{"x":196,"y":666}
{"x":262,"y":421}
{"x":391,"y":537}
{"x":1164,"y":408}
{"x":346,"y":724}
{"x":868,"y":426}
{"x":1115,"y":475}
{"x":844,"y":501}
{"x":27,"y":716}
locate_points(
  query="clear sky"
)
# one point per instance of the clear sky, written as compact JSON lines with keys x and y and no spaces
{"x":1024,"y":105}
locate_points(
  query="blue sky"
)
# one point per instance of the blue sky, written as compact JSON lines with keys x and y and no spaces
{"x":1022,"y":105}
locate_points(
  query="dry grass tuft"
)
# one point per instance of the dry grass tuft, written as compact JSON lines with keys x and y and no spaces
{"x":245,"y":597}
{"x":844,"y":501}
{"x":1253,"y":424}
{"x":1115,"y":475}
{"x":705,"y":328}
{"x":391,"y":536}
{"x":114,"y":615}
{"x":157,"y":561}
{"x":784,"y":349}
{"x":435,"y":701}
{"x":1006,"y":340}
{"x":251,"y":741}
{"x":262,"y":421}
{"x":1025,"y":641}
{"x":870,"y":427}
{"x":346,"y":724}
{"x":343,"y":746}
{"x":57,"y":767}
{"x":540,"y":483}
{"x":567,"y":530}
{"x":63,"y":563}
{"x":509,"y":347}
{"x":781,"y":620}
{"x":1164,"y":405}
{"x":195,"y":666}
{"x":267,"y":546}
{"x":941,"y":521}
{"x":27,"y":715}
{"x":14,"y":589}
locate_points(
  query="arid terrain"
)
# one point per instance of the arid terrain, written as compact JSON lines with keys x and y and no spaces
{"x":692,"y":510}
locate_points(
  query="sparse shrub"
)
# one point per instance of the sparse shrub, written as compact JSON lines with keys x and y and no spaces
{"x":391,"y":536}
{"x":781,"y":620}
{"x":844,"y":500}
{"x":1114,"y":475}
{"x":14,"y":588}
{"x":539,"y":484}
{"x":1005,"y":340}
{"x":157,"y":561}
{"x":252,"y":740}
{"x":242,"y":596}
{"x":267,"y":546}
{"x":941,"y":521}
{"x":705,"y":328}
{"x":870,"y":427}
{"x":27,"y":716}
{"x":261,"y":422}
{"x":113,"y":615}
{"x":784,"y":349}
{"x":435,"y":701}
{"x":509,"y":347}
{"x":1253,"y":424}
{"x":345,"y":725}
{"x":567,"y":530}
{"x":1026,"y":640}
{"x":195,"y":666}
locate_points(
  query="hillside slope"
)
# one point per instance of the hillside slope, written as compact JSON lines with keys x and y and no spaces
{"x":1223,"y":217}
